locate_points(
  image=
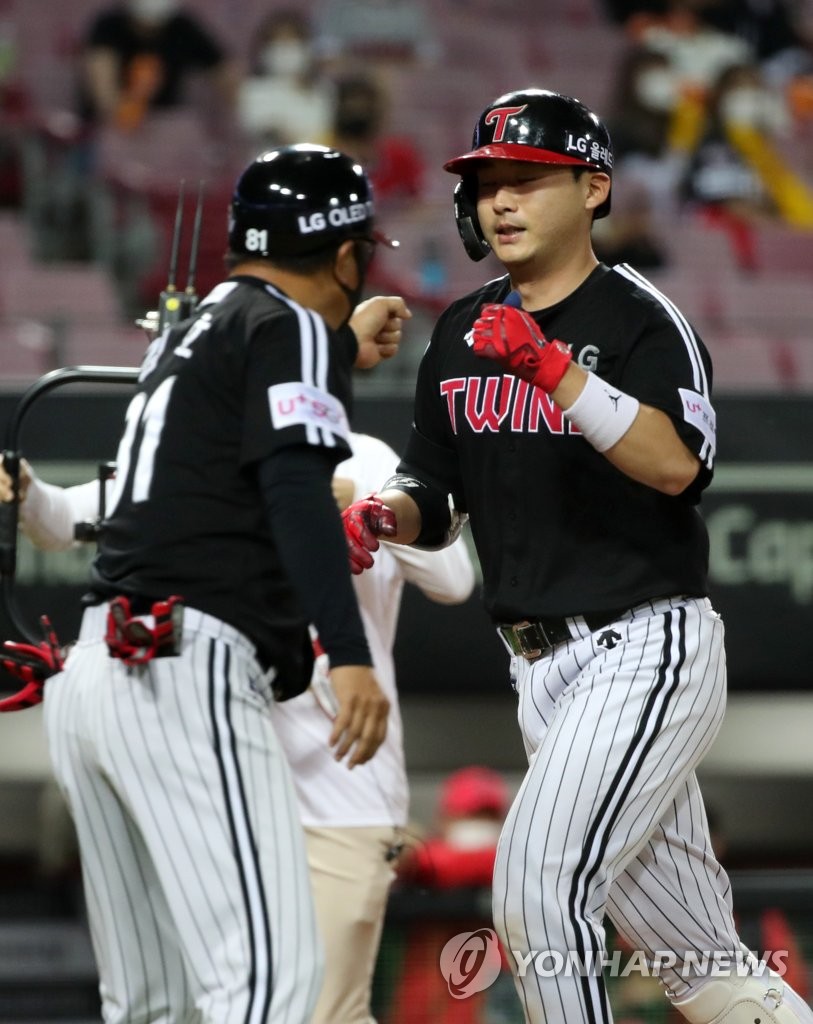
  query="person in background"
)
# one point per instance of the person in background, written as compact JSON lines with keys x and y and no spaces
{"x":647,"y":168}
{"x":138,"y":57}
{"x":286,"y":97}
{"x":354,"y":822}
{"x":472,"y":805}
{"x":457,"y":858}
{"x":738,"y":166}
{"x":394,"y":163}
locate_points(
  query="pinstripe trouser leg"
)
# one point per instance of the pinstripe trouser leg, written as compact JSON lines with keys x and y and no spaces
{"x":192,"y":851}
{"x":613,"y":734}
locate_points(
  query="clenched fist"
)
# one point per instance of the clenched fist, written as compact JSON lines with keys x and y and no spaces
{"x":511,"y":337}
{"x":364,"y":522}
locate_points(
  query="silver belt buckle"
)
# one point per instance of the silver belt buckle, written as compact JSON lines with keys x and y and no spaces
{"x":525,"y":633}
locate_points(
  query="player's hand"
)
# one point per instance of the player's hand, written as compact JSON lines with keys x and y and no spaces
{"x":377,"y":324}
{"x":361,"y":721}
{"x":364,"y":522}
{"x":24,"y":481}
{"x":511,"y":337}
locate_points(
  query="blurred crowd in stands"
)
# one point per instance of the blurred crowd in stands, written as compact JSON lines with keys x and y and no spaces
{"x":712,"y":98}
{"x":709,"y":102}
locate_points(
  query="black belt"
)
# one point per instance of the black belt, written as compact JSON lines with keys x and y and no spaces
{"x":139,"y":603}
{"x":530,"y":640}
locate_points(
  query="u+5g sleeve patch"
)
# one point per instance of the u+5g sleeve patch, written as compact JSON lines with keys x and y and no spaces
{"x":295,"y":403}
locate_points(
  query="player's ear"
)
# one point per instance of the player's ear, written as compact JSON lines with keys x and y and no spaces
{"x":598,"y":188}
{"x":345,"y":265}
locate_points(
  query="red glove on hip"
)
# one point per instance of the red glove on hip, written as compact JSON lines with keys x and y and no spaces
{"x":33,"y":664}
{"x":512,"y":338}
{"x":364,"y":522}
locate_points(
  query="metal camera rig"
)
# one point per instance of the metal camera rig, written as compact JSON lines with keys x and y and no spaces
{"x":40,"y":655}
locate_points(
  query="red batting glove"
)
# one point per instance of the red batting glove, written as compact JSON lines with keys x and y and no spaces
{"x":33,"y":664}
{"x":512,"y":338}
{"x":364,"y":522}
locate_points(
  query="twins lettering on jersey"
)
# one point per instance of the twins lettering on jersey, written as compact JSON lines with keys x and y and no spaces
{"x":485,"y":403}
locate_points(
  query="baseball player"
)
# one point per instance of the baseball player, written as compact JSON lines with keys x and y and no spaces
{"x":222,"y":542}
{"x":353,"y":821}
{"x":566,"y":408}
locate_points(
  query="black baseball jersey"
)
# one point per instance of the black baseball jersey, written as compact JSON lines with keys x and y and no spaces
{"x":252,"y":374}
{"x":558,"y":529}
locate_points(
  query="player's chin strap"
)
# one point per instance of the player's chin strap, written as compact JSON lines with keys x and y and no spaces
{"x":33,"y":663}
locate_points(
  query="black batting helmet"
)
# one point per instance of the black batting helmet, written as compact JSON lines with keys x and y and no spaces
{"x":297,"y":200}
{"x":536,"y":126}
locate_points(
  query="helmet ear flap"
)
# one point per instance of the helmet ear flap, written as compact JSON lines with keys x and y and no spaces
{"x":468,"y":223}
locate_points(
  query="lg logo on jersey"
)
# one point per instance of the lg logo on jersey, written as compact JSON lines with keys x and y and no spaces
{"x":587,"y":359}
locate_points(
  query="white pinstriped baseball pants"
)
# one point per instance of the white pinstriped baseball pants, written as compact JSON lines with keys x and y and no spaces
{"x":609,"y":818}
{"x":193,"y":856}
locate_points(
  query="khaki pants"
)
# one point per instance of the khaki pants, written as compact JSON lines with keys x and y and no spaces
{"x":351,"y":879}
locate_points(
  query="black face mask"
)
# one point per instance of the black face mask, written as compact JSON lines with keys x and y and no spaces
{"x":356,"y":126}
{"x":363,"y":251}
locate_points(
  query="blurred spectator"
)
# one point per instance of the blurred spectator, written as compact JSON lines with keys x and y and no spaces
{"x":138,"y":57}
{"x":773,"y":29}
{"x":472,"y":806}
{"x":393,"y":162}
{"x":286,"y":98}
{"x":646,"y":105}
{"x":738,"y":176}
{"x":646,"y":93}
{"x":697,"y":50}
{"x":471,"y":809}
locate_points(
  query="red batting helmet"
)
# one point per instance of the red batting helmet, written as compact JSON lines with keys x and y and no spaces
{"x":536,"y":126}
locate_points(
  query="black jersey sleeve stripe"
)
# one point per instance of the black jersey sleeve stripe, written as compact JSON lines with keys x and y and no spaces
{"x":321,"y":361}
{"x":314,"y":351}
{"x":684,"y":328}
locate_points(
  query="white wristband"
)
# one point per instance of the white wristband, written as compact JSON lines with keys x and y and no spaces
{"x":602,"y":413}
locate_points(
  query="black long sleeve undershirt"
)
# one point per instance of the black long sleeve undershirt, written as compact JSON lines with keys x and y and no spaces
{"x":295,"y":484}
